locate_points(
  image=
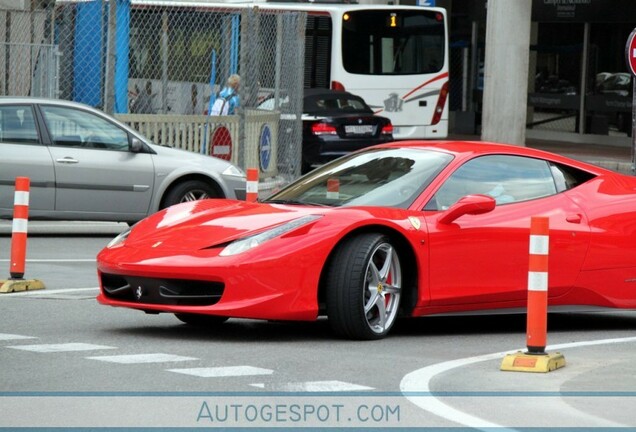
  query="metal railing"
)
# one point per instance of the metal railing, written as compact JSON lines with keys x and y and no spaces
{"x":217,"y":136}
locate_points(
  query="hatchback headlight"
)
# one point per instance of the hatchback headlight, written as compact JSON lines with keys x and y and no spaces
{"x":247,"y":243}
{"x":233,"y":171}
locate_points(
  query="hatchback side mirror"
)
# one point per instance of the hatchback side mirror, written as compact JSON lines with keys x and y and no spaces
{"x":136,"y":146}
{"x":470,"y":204}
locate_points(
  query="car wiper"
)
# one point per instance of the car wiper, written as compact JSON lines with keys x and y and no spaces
{"x":292,"y":202}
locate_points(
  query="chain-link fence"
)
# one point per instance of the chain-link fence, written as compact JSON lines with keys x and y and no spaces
{"x":159,"y":65}
{"x":23,"y":48}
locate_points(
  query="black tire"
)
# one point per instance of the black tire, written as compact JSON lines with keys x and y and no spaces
{"x":364,"y":286}
{"x":190,"y":190}
{"x":197,"y":320}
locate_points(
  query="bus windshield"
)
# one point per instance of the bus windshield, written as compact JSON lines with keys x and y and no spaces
{"x":390,"y":42}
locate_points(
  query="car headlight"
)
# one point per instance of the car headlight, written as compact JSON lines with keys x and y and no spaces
{"x":247,"y":243}
{"x":233,"y":171}
{"x":120,"y":239}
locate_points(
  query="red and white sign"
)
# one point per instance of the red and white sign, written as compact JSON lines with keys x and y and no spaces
{"x":221,"y":146}
{"x":630,"y":52}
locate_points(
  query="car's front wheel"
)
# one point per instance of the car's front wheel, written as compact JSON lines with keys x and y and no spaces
{"x":364,"y":286}
{"x":201,"y":320}
{"x":191,"y":190}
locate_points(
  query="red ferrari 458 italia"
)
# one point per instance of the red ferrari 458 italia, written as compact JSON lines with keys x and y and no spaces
{"x":401,"y":229}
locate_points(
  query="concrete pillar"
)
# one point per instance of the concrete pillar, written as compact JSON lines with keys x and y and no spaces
{"x":532,"y":69}
{"x":506,"y":71}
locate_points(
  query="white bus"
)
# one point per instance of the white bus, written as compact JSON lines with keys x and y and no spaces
{"x":395,"y":57}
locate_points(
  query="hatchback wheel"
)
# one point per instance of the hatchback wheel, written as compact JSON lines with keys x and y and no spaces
{"x":191,"y":190}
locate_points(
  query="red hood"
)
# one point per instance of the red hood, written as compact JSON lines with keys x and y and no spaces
{"x":200,"y":224}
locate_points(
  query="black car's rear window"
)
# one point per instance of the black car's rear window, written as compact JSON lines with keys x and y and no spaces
{"x":335,"y":104}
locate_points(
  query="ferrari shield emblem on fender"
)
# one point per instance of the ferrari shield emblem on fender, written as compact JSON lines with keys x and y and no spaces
{"x":415,"y":222}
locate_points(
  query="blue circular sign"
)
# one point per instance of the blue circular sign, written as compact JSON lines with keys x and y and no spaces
{"x":265,"y":146}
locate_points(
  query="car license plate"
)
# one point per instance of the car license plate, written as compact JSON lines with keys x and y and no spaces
{"x":359,"y":129}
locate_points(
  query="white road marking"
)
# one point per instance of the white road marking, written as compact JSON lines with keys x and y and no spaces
{"x":419,"y":381}
{"x":71,"y":260}
{"x":46,"y":292}
{"x":6,"y":336}
{"x":142,"y":358}
{"x":324,"y":386}
{"x":66,"y":347}
{"x":76,"y":227}
{"x":222,"y":372}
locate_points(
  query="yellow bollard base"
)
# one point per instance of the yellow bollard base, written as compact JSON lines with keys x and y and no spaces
{"x":524,"y":362}
{"x":18,"y":285}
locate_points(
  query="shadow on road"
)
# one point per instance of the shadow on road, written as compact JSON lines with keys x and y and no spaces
{"x":511,"y":324}
{"x":242,"y":330}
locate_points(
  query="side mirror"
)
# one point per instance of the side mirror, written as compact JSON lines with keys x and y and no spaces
{"x":470,"y":204}
{"x":136,"y":146}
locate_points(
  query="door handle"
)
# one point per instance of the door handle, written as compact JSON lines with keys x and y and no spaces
{"x":67,"y":160}
{"x":574,"y":218}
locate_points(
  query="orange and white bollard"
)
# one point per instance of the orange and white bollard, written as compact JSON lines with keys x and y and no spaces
{"x":537,"y":319}
{"x":251,"y":187}
{"x":536,"y":359}
{"x":19,"y":241}
{"x":333,"y":188}
{"x":19,"y":228}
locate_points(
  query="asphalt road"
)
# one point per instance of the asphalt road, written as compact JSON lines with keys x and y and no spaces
{"x":70,"y":362}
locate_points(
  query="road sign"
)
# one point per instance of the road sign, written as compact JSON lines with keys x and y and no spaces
{"x":265,"y":147}
{"x":221,"y":143}
{"x":630,"y":59}
{"x":630,"y":52}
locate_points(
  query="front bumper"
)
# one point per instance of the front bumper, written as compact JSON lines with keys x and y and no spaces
{"x":240,"y":193}
{"x":247,"y":286}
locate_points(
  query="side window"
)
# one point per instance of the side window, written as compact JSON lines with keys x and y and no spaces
{"x":76,"y":128}
{"x":17,"y":125}
{"x":507,"y":179}
{"x":566,"y":178}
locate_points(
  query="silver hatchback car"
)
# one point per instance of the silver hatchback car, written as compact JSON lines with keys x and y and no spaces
{"x":85,"y":165}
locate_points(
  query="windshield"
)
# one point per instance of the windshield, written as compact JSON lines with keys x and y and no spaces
{"x":334,"y":103}
{"x":380,"y":177}
{"x":390,"y":42}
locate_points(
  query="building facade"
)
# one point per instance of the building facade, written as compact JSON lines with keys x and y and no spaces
{"x":579,"y":87}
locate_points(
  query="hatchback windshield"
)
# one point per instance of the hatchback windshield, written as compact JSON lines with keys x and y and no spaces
{"x":379,"y":177}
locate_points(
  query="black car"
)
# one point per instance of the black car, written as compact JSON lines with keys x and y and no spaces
{"x":336,"y":123}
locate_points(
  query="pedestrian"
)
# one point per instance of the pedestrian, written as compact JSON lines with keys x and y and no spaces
{"x":143,"y":103}
{"x":228,"y":98}
{"x":192,"y":108}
